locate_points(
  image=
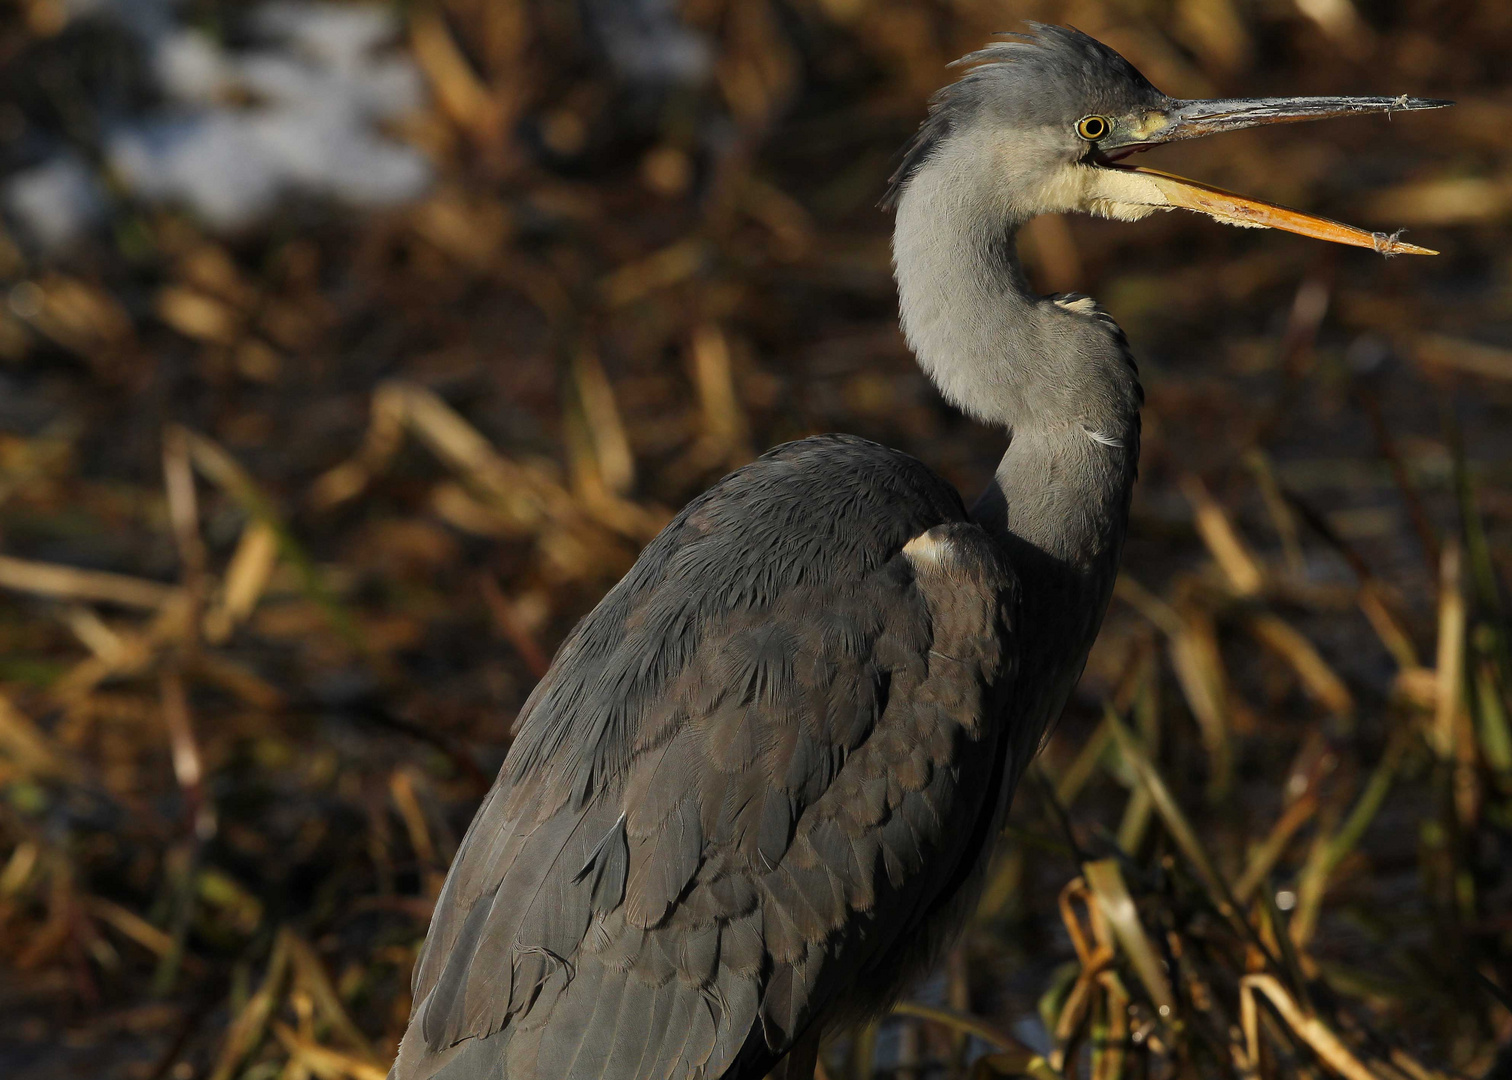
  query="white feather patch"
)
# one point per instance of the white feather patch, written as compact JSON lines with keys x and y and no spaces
{"x":927,"y":549}
{"x":1105,"y":440}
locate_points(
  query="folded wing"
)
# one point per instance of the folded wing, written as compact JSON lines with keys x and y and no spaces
{"x":753,"y":779}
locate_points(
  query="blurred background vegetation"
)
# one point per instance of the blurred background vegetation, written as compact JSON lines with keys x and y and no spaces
{"x":349,"y":353}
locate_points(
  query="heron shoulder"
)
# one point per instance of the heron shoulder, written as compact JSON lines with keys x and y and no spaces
{"x":930,"y":549}
{"x":806,"y":520}
{"x":961,"y":552}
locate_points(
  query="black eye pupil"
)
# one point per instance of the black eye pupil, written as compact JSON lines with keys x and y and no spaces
{"x":1094,"y":127}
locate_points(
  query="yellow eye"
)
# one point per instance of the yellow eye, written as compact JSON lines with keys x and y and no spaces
{"x":1093,"y":127}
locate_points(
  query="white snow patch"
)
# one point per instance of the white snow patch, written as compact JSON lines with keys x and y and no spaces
{"x":341,"y":35}
{"x":191,"y":67}
{"x":55,"y":202}
{"x":318,"y":88}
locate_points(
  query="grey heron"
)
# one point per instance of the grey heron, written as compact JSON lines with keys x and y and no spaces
{"x":754,"y":794}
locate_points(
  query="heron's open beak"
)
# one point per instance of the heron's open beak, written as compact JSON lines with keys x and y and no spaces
{"x":1193,"y":119}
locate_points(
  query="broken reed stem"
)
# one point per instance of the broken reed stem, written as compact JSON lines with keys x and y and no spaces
{"x":1136,"y":817}
{"x":1106,"y":884}
{"x":27,"y":746}
{"x":183,"y":508}
{"x":221,"y":469}
{"x":1171,"y":813}
{"x":1219,"y":893}
{"x":70,"y":583}
{"x":1198,"y":663}
{"x":1233,"y":556}
{"x":724,"y":418}
{"x":1265,"y":857}
{"x":247,"y":576}
{"x":1281,"y":515}
{"x":188,"y":764}
{"x":1450,"y":663}
{"x":1083,"y":767}
{"x":1387,"y":627}
{"x":507,"y":621}
{"x":964,"y":1023}
{"x":1312,"y":1031}
{"x":1495,"y":728}
{"x":1198,"y":666}
{"x":1329,"y":851}
{"x":601,"y":414}
{"x":181,"y":864}
{"x":1318,"y":678}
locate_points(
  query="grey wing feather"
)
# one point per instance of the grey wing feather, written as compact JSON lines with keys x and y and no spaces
{"x":753,"y":779}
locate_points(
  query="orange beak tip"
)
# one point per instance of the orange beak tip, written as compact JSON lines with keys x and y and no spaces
{"x":1232,"y":209}
{"x":1389,"y":244}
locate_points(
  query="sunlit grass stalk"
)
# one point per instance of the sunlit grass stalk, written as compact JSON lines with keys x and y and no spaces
{"x":1136,"y":817}
{"x":1329,"y":853}
{"x":251,"y":1023}
{"x":1106,"y":884}
{"x":1491,"y":637}
{"x":1176,"y":824}
{"x":227,"y":473}
{"x":1495,"y":729}
{"x":1110,"y":1030}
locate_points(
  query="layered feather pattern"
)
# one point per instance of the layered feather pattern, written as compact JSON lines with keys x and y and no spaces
{"x":754,"y":777}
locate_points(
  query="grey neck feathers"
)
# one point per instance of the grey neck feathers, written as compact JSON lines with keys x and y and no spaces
{"x":1054,"y":373}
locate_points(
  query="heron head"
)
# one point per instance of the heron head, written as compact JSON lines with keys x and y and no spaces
{"x":1056,"y":113}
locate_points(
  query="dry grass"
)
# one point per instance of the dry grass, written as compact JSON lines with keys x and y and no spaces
{"x":291,"y":521}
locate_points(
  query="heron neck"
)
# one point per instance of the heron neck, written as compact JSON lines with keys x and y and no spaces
{"x":1054,"y":373}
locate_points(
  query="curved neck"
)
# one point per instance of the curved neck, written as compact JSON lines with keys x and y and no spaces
{"x":1055,"y":373}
